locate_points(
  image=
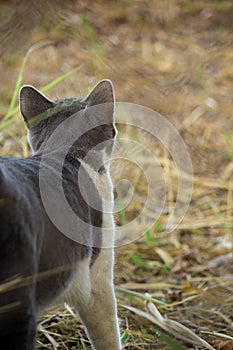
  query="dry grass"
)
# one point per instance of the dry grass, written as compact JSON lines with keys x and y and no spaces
{"x":176,"y":58}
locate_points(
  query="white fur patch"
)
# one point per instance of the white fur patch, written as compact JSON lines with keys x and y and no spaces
{"x":104,"y":186}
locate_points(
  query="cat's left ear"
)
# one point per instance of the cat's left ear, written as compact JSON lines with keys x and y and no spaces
{"x":33,"y":103}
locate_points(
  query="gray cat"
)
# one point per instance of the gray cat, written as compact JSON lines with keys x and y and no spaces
{"x":38,"y":262}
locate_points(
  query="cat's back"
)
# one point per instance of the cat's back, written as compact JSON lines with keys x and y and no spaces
{"x":18,"y":171}
{"x":18,"y":196}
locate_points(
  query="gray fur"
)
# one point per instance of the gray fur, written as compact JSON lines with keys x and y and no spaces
{"x":31,"y":244}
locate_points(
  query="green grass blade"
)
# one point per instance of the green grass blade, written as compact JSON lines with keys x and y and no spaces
{"x":229,"y":141}
{"x":141,"y":296}
{"x":12,"y":111}
{"x":168,"y":340}
{"x":60,"y":79}
{"x":124,"y":337}
{"x":20,"y":75}
{"x":138,"y":260}
{"x":7,"y":122}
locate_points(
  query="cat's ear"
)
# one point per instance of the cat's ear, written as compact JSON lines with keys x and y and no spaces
{"x":103,"y":92}
{"x":33,"y":102}
{"x":100,"y":109}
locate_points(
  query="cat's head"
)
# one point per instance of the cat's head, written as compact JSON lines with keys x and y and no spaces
{"x":43,"y":115}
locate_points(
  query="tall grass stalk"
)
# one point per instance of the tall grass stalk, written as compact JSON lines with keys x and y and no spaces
{"x":13,"y":114}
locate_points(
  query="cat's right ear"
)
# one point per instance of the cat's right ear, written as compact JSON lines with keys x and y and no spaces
{"x":33,"y":102}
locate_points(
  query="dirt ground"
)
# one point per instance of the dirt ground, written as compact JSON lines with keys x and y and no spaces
{"x":175,"y":57}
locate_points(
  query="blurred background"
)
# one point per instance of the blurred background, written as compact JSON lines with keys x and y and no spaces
{"x":175,"y":57}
